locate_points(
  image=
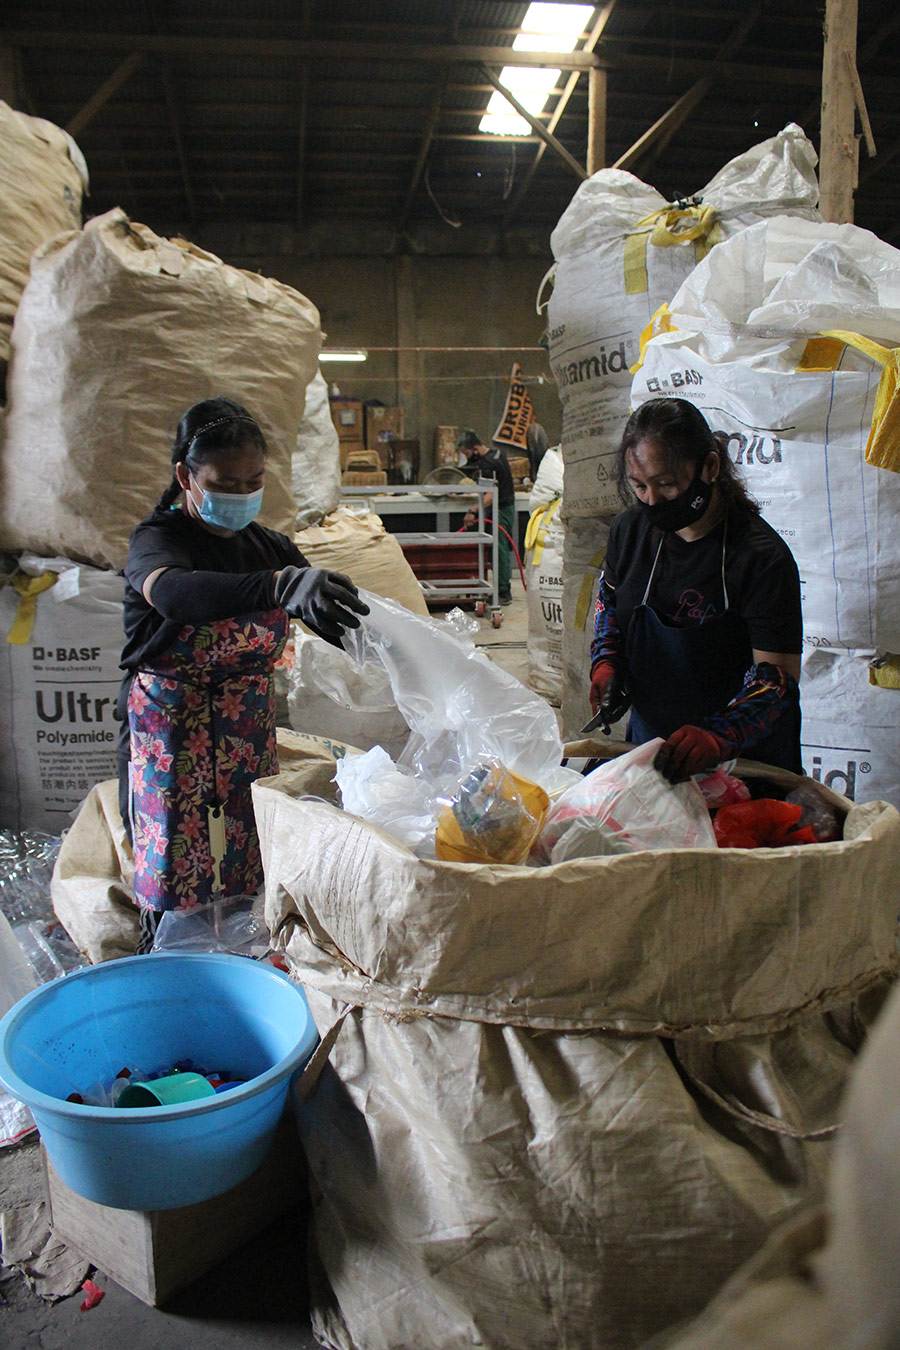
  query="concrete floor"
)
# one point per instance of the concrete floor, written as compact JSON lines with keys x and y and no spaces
{"x":258,"y":1296}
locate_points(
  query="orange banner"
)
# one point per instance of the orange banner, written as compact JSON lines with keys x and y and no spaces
{"x":517,"y":414}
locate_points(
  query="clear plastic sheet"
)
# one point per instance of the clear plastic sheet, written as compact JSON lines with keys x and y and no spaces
{"x":234,"y":924}
{"x":460,"y":706}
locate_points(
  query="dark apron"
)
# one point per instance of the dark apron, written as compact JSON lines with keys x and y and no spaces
{"x":681,"y":676}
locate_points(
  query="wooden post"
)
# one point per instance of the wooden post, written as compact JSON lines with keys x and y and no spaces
{"x":839,"y":148}
{"x":596,"y":146}
{"x":409,"y":362}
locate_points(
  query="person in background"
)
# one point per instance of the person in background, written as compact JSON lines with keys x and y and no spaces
{"x":208,"y":598}
{"x":485,"y":463}
{"x":698,"y":623}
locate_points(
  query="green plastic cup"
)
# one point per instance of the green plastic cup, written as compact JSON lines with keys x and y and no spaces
{"x":168,"y":1091}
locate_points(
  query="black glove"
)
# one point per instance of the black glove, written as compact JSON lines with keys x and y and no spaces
{"x":327,"y":602}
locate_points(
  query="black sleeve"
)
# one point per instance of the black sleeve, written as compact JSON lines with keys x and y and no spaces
{"x":204,"y":597}
{"x":770,"y":599}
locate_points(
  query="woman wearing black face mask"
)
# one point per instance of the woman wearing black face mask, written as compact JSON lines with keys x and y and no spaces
{"x":698,"y":624}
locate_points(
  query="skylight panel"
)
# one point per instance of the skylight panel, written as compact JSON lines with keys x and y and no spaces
{"x":545,"y":28}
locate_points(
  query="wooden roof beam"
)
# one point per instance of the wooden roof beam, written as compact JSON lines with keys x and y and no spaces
{"x":101,"y":96}
{"x":536,"y":126}
{"x":431,"y":121}
{"x":664,"y":128}
{"x":314,"y":49}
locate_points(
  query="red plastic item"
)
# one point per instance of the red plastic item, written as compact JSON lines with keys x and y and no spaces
{"x":94,"y":1293}
{"x":765,"y":823}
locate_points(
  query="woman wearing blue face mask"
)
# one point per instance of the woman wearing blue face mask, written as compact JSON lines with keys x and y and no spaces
{"x":698,"y":625}
{"x":208,"y":598}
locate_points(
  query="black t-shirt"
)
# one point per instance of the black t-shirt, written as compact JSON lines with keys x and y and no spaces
{"x":493,"y":465}
{"x":172,"y":538}
{"x":760,"y":575}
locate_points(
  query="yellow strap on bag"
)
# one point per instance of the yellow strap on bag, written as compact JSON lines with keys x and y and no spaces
{"x":665,"y":228}
{"x":585,"y":592}
{"x":29,"y":588}
{"x":885,"y":672}
{"x":536,"y":530}
{"x":660,"y":323}
{"x":883,"y":446}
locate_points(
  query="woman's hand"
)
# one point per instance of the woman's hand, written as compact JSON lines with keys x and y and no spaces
{"x":688,"y":750}
{"x":608,"y":691}
{"x":327,"y":602}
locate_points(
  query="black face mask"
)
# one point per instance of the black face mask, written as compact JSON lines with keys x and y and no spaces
{"x":685,"y":509}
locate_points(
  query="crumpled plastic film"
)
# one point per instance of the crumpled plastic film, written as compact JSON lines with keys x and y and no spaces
{"x":461,"y":707}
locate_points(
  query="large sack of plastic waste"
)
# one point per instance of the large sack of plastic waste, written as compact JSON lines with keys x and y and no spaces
{"x":361,"y":548}
{"x":92,"y":887}
{"x":118,"y":332}
{"x":316,"y":459}
{"x":786,"y":339}
{"x":621,"y":251}
{"x":830,"y":1279}
{"x":60,"y":645}
{"x":544,"y":540}
{"x":44,"y":176}
{"x":565,"y":1103}
{"x":548,"y":1080}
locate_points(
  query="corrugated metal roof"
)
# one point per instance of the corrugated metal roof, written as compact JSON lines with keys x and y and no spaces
{"x":381,"y":96}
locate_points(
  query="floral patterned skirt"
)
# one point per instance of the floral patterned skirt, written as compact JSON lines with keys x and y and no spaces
{"x":202,"y":726}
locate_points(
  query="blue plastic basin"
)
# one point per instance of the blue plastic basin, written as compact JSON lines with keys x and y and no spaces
{"x":224,"y":1012}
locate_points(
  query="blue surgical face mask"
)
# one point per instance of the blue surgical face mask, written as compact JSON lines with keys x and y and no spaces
{"x":230,"y":510}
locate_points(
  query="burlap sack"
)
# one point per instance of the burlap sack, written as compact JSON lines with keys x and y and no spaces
{"x":361,"y":548}
{"x":565,"y":1103}
{"x":43,"y":175}
{"x":118,"y":332}
{"x":830,"y":1280}
{"x":92,"y":887}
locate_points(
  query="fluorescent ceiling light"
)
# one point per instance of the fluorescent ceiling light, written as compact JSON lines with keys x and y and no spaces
{"x":545,"y":28}
{"x":344,"y":354}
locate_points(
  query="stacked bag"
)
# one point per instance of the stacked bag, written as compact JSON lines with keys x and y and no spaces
{"x":621,"y":252}
{"x":790,"y":334}
{"x":117,"y":332}
{"x":544,"y":543}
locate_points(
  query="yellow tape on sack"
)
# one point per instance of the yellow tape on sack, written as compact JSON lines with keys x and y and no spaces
{"x":536,"y":530}
{"x":660,"y":323}
{"x":885,"y":672}
{"x":29,"y":588}
{"x":670,"y":226}
{"x":883,"y":446}
{"x":583,"y":603}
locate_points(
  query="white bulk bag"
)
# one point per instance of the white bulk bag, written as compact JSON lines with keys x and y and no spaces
{"x":43,"y":175}
{"x":850,"y":736}
{"x":118,"y":332}
{"x":60,"y":645}
{"x":564,"y":1103}
{"x":316,"y":460}
{"x":622,"y":251}
{"x":544,"y":541}
{"x":797,"y":409}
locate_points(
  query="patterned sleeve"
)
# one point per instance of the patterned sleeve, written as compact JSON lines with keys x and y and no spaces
{"x":605,"y":645}
{"x":751,"y":715}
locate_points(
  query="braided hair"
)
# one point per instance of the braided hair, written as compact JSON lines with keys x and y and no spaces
{"x":686,"y":436}
{"x":207,"y":428}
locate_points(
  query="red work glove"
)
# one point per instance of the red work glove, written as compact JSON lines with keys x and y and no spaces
{"x":687,"y":751}
{"x":604,"y":684}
